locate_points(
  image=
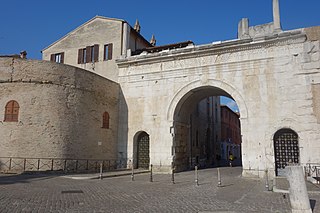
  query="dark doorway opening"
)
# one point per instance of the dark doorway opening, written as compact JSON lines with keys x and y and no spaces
{"x":286,"y":149}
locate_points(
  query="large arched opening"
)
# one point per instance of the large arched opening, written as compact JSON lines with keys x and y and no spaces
{"x":206,"y":130}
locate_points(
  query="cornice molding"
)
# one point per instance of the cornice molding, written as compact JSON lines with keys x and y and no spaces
{"x":282,"y":39}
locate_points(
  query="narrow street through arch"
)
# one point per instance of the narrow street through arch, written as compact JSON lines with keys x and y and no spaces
{"x":206,"y":131}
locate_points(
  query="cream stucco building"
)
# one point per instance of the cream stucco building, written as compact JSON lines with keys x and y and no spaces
{"x":96,"y":44}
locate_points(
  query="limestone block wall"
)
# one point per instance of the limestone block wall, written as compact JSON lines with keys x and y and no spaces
{"x":273,"y":80}
{"x":60,"y":114}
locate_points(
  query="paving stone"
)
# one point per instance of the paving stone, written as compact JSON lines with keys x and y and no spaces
{"x":34,"y":193}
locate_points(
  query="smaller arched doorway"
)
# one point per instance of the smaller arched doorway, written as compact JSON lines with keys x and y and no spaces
{"x":286,"y":149}
{"x":143,"y":151}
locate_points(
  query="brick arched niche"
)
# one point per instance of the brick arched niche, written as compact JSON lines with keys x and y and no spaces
{"x":181,"y":108}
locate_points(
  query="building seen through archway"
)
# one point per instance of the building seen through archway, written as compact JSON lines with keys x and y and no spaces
{"x":207,"y":130}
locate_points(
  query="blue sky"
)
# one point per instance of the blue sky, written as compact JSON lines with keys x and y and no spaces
{"x":32,"y":25}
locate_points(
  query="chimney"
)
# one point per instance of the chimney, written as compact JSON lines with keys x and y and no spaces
{"x":23,"y":54}
{"x":137,"y":26}
{"x":243,"y":29}
{"x":276,"y":16}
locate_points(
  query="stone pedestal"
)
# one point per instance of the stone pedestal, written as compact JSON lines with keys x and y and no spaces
{"x":298,"y":194}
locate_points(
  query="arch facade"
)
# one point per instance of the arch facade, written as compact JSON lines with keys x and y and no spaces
{"x":267,"y":81}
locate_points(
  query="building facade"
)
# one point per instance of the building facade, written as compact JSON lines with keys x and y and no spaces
{"x":273,"y":75}
{"x":95,"y":45}
{"x":55,"y":111}
{"x":230,"y":133}
{"x":204,"y":126}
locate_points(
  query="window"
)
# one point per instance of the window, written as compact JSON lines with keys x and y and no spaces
{"x":94,"y":53}
{"x":12,"y":111}
{"x":58,"y":57}
{"x":105,"y":120}
{"x":88,"y":54}
{"x":107,"y":52}
{"x":84,"y":55}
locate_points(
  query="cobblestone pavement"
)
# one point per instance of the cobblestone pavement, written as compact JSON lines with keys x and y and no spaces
{"x":48,"y":193}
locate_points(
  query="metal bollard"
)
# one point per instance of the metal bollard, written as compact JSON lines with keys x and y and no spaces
{"x":267,"y":180}
{"x":172,"y":176}
{"x":132,"y":172}
{"x":219,"y":178}
{"x":151,"y":178}
{"x":100,"y":171}
{"x":196,"y":175}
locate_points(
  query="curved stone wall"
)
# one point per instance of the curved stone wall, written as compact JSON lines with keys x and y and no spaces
{"x":61,"y":111}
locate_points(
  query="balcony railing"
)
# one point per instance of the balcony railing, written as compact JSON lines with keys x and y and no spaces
{"x":313,"y":170}
{"x":18,"y":164}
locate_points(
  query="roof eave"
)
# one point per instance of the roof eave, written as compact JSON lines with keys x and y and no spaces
{"x":87,"y":22}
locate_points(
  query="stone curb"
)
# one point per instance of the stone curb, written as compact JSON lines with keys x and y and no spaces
{"x":276,"y":190}
{"x":104,"y":175}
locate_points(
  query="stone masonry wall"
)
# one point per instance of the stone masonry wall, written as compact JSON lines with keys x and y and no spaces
{"x":316,"y":100}
{"x":60,"y":113}
{"x":270,"y":79}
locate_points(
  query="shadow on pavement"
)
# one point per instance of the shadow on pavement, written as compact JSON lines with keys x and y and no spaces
{"x":24,"y":177}
{"x":313,"y":204}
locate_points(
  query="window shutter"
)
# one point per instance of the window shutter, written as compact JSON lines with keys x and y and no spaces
{"x":88,"y":51}
{"x":110,"y":51}
{"x":80,"y":56}
{"x":62,"y":58}
{"x":52,"y":57}
{"x":104,"y":52}
{"x":12,"y":111}
{"x":96,"y":52}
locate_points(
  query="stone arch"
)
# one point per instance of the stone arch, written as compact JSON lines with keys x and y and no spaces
{"x":186,"y":152}
{"x":228,"y":90}
{"x":288,"y":123}
{"x":139,"y":138}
